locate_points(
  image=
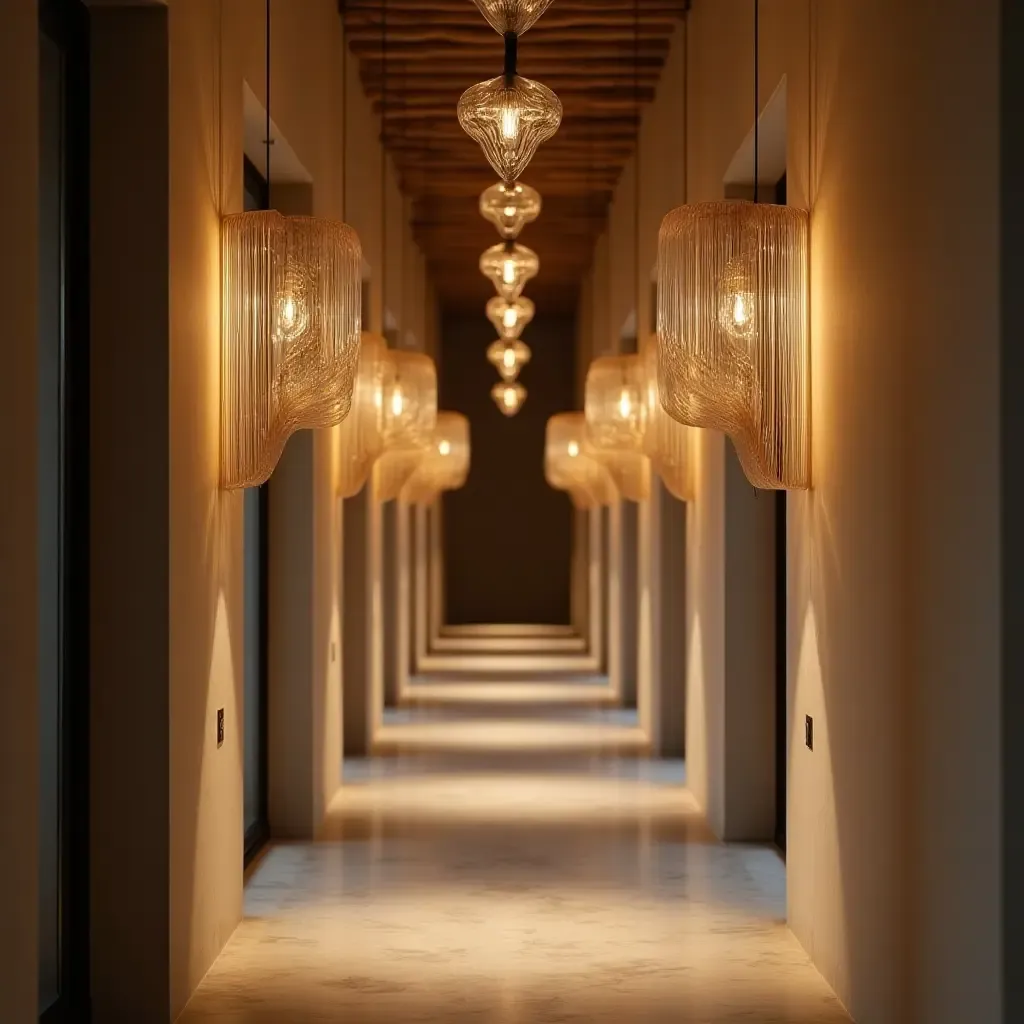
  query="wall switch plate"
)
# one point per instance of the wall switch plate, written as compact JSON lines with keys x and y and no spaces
{"x":809,"y":732}
{"x":220,"y":727}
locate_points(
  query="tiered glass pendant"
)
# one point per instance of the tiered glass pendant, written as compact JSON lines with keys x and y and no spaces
{"x":509,"y":318}
{"x":361,"y":434}
{"x":515,"y":16}
{"x":733,"y":330}
{"x":510,"y":207}
{"x":570,"y":465}
{"x":444,"y":466}
{"x":508,"y":357}
{"x":292,"y":305}
{"x":509,"y":117}
{"x":509,"y":397}
{"x":509,"y":266}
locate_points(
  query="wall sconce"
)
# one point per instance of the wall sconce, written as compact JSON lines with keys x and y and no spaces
{"x":444,"y":466}
{"x":570,"y":463}
{"x":666,"y":441}
{"x":361,"y":434}
{"x":292,"y":306}
{"x":409,"y":400}
{"x":733,"y":332}
{"x":509,"y":398}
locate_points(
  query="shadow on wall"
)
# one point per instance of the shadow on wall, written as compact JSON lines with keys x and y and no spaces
{"x":507,"y":535}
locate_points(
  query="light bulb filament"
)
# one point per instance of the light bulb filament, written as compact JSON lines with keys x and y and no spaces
{"x":625,"y":405}
{"x":445,"y":447}
{"x":509,"y":318}
{"x":574,"y":449}
{"x":397,"y":401}
{"x":739,"y":311}
{"x":510,"y":123}
{"x":508,"y":272}
{"x":509,"y":359}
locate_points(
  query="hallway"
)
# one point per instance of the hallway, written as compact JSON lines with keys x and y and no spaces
{"x":521,"y":885}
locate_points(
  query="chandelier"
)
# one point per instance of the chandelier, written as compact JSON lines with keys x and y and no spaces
{"x":510,"y":207}
{"x":509,"y":266}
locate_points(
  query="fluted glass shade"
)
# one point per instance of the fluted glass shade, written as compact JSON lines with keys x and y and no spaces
{"x":512,"y":15}
{"x":615,"y":403}
{"x":666,"y":441}
{"x":361,"y":434}
{"x":509,"y":398}
{"x":508,"y":358}
{"x":733,"y":330}
{"x":292,"y":310}
{"x":510,"y":207}
{"x":570,"y":463}
{"x":509,"y":267}
{"x":509,"y":117}
{"x":509,"y":318}
{"x":409,"y":400}
{"x":444,"y":466}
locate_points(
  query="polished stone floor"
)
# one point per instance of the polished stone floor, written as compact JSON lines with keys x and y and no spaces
{"x":515,"y":889}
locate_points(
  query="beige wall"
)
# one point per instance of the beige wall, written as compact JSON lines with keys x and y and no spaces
{"x":18,"y":580}
{"x":893,"y":558}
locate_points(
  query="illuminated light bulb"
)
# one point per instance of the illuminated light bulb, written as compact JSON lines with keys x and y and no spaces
{"x":397,"y":401}
{"x":443,"y":465}
{"x":737,"y":302}
{"x":510,"y":207}
{"x":508,"y":357}
{"x":509,"y":397}
{"x":625,"y":405}
{"x":509,"y":117}
{"x":574,"y":449}
{"x":509,"y":318}
{"x":509,"y":266}
{"x":571,"y":465}
{"x":444,"y":447}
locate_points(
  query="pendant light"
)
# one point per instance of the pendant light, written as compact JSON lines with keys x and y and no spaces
{"x":510,"y":207}
{"x":508,"y":358}
{"x":509,"y":318}
{"x":509,"y":266}
{"x":516,"y":16}
{"x":444,"y":466}
{"x":292,"y":309}
{"x":666,"y":441}
{"x":361,"y":434}
{"x":509,"y":397}
{"x":733,"y":326}
{"x":510,"y":116}
{"x":570,"y":464}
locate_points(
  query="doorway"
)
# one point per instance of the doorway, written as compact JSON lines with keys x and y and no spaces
{"x":63,"y":503}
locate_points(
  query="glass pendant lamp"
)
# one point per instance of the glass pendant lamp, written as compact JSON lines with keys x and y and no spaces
{"x":509,"y":397}
{"x":570,"y":463}
{"x":508,"y":358}
{"x":509,"y":266}
{"x":515,"y":16}
{"x":666,"y":441}
{"x":444,"y":466}
{"x":509,"y":318}
{"x":361,"y":434}
{"x":510,"y":208}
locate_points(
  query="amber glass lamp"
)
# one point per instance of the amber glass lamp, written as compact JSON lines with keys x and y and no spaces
{"x":444,"y":465}
{"x":666,"y":441}
{"x":409,"y":401}
{"x":733,"y":330}
{"x":509,"y":397}
{"x":509,"y":266}
{"x":570,"y":463}
{"x":510,"y":207}
{"x":509,"y":318}
{"x":515,"y":16}
{"x":508,"y":358}
{"x":292,"y":311}
{"x":361,"y":434}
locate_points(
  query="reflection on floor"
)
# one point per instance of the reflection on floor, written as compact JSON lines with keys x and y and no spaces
{"x":531,"y":888}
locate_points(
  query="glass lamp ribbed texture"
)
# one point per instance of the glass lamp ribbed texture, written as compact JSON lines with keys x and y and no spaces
{"x":512,"y":15}
{"x":292,"y":308}
{"x":509,"y":268}
{"x":733,"y":332}
{"x":509,"y":118}
{"x":510,"y":207}
{"x":444,"y":465}
{"x":361,"y":434}
{"x":666,"y":441}
{"x":509,"y":318}
{"x":410,"y":419}
{"x":570,"y":462}
{"x":508,"y":358}
{"x":509,"y":398}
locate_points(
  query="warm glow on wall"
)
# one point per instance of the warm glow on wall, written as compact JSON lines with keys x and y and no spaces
{"x":444,"y":465}
{"x":733,"y":330}
{"x":292,"y":310}
{"x":361,"y":434}
{"x":571,"y":465}
{"x":509,"y":266}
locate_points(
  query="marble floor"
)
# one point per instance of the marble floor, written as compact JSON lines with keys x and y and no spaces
{"x":476,"y":889}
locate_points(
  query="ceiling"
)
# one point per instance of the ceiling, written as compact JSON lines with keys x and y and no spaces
{"x":601,"y":57}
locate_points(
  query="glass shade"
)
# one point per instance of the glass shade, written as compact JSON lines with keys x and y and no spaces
{"x":361,"y":434}
{"x":666,"y":441}
{"x":509,"y":318}
{"x":409,"y":401}
{"x":508,"y":358}
{"x":570,"y":463}
{"x":509,"y":267}
{"x":292,"y":309}
{"x":733,"y":330}
{"x":510,"y":207}
{"x":509,"y":398}
{"x":444,"y":466}
{"x":512,"y":15}
{"x":509,"y":117}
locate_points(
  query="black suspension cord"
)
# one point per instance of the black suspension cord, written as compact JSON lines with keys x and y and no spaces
{"x":267,"y":140}
{"x":636,"y":173}
{"x":344,"y":114}
{"x":757,"y":96}
{"x":383,"y":165}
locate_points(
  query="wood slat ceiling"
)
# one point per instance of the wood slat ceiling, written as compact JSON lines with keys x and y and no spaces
{"x":602,"y":58}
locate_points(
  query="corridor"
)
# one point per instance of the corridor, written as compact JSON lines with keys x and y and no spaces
{"x":538,"y":883}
